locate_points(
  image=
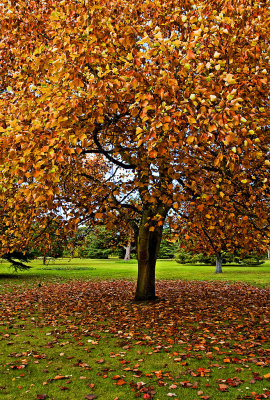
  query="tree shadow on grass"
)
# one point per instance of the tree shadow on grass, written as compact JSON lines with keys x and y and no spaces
{"x":9,"y":276}
{"x":67,"y":268}
{"x":19,"y":277}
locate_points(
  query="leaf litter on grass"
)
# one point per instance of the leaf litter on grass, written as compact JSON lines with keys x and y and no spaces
{"x":206,"y":339}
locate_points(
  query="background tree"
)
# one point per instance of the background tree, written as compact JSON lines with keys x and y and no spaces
{"x":54,"y":244}
{"x":215,"y":228}
{"x":98,"y":243}
{"x":170,"y":98}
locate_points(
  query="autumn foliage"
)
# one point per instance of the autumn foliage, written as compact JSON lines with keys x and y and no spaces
{"x":142,"y":106}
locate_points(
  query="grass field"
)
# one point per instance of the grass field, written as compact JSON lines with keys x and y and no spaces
{"x":118,"y":269}
{"x":80,"y":335}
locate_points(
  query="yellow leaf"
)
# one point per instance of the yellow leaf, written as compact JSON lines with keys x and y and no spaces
{"x":190,"y":139}
{"x":152,"y":228}
{"x":230,"y":79}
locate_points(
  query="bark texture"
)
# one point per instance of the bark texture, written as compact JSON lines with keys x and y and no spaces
{"x":148,"y":248}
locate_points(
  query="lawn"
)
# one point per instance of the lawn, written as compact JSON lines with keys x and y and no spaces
{"x":118,"y":269}
{"x":80,"y":335}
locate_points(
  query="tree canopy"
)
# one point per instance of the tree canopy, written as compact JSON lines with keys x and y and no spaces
{"x":137,"y":106}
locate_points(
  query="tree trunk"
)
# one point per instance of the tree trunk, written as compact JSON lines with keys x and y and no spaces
{"x":148,"y":248}
{"x":218,"y":264}
{"x":128,"y":251}
{"x":268,"y":254}
{"x":44,"y":260}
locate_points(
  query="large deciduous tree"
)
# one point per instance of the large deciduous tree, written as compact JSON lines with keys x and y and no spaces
{"x":117,"y":105}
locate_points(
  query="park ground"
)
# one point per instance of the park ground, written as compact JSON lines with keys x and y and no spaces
{"x":71,"y":330}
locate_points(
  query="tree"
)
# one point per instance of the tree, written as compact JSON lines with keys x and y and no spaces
{"x":17,"y":259}
{"x":168,"y":245}
{"x":96,"y":244}
{"x":147,"y":100}
{"x":54,"y":243}
{"x":215,"y":228}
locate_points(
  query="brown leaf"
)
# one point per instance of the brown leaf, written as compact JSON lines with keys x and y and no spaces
{"x":223,"y":387}
{"x":90,"y":397}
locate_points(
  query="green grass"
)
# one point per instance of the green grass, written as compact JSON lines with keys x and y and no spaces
{"x":86,"y":368}
{"x":179,"y":346}
{"x":118,"y":269}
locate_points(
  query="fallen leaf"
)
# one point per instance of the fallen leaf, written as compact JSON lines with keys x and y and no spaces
{"x":116,"y":377}
{"x":121,"y":382}
{"x":223,"y":387}
{"x":226,"y":360}
{"x":173,"y":386}
{"x":59,"y":377}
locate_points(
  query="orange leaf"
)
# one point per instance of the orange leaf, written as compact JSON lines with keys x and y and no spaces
{"x":152,"y":153}
{"x":120,"y":382}
{"x":190,"y":54}
{"x":59,"y":377}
